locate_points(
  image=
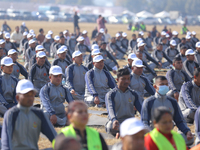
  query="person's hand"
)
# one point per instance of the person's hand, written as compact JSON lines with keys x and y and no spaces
{"x":114,"y":71}
{"x":53,"y":119}
{"x":73,"y":92}
{"x":189,"y":135}
{"x":47,"y":53}
{"x":160,"y":65}
{"x":116,"y":125}
{"x":176,"y":95}
{"x":114,"y":54}
{"x":96,"y":100}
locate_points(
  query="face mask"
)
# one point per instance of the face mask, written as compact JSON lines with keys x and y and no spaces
{"x":163,"y":89}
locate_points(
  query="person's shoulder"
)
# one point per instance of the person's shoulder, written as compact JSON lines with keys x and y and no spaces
{"x":149,"y":99}
{"x":12,"y":110}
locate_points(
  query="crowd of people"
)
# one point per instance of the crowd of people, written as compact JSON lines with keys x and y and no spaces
{"x":82,"y":75}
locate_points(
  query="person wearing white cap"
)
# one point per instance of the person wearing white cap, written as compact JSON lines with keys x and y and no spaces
{"x":47,"y":44}
{"x":26,"y":44}
{"x":16,"y":37}
{"x":51,"y":34}
{"x":156,"y":39}
{"x":149,"y":40}
{"x":115,"y":106}
{"x":171,"y":51}
{"x":71,"y":43}
{"x":194,"y":39}
{"x":23,"y":28}
{"x":163,"y":34}
{"x":29,"y":121}
{"x":59,"y":44}
{"x":17,"y":68}
{"x":75,"y":76}
{"x":188,"y":43}
{"x":2,"y":45}
{"x":68,"y":54}
{"x":51,"y":101}
{"x":5,"y":27}
{"x":115,"y":50}
{"x":132,"y":43}
{"x":66,"y":35}
{"x":197,"y":53}
{"x":140,"y":83}
{"x":189,"y":65}
{"x":141,"y":35}
{"x":184,"y":29}
{"x":22,"y":42}
{"x":132,"y":132}
{"x":8,"y":44}
{"x":124,"y":41}
{"x":8,"y":83}
{"x":52,"y":48}
{"x":98,"y":83}
{"x":61,"y":60}
{"x":131,"y":58}
{"x":39,"y":72}
{"x":175,"y":37}
{"x":86,"y":39}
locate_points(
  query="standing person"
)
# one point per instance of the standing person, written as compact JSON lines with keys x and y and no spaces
{"x":76,"y":18}
{"x":40,"y":37}
{"x":94,"y":33}
{"x":5,"y":27}
{"x":27,"y":121}
{"x":99,"y":22}
{"x":184,"y":29}
{"x":142,"y":27}
{"x":107,"y":36}
{"x":23,"y":28}
{"x":16,"y":37}
{"x":162,"y":137}
{"x":154,"y":32}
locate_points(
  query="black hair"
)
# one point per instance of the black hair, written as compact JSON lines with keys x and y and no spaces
{"x":122,"y":72}
{"x":196,"y":72}
{"x":103,"y":43}
{"x":62,"y":37}
{"x":162,"y":78}
{"x":159,"y":44}
{"x":183,"y":47}
{"x":133,"y":34}
{"x":159,"y":112}
{"x":41,"y":30}
{"x":177,"y":59}
{"x":164,"y":38}
{"x":183,"y":38}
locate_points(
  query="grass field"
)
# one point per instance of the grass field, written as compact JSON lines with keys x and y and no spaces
{"x":57,"y":27}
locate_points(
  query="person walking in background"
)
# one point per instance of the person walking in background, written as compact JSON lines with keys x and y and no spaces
{"x":94,"y":33}
{"x":101,"y":22}
{"x":76,"y":18}
{"x":40,"y":37}
{"x":16,"y":37}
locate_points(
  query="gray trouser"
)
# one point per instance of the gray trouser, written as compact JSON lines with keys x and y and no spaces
{"x":3,"y":109}
{"x":60,"y":121}
{"x":109,"y":128}
{"x":188,"y":114}
{"x":26,"y":65}
{"x":78,"y":96}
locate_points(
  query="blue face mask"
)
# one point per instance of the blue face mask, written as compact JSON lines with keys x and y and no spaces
{"x":163,"y":89}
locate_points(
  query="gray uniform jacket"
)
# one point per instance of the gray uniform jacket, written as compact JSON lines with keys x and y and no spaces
{"x":189,"y":67}
{"x":197,"y":57}
{"x":29,"y":54}
{"x":125,"y":43}
{"x":53,"y":97}
{"x":62,"y":63}
{"x":52,"y":49}
{"x":158,"y":55}
{"x":17,"y":69}
{"x":9,"y":45}
{"x":156,"y":101}
{"x":148,"y":42}
{"x":22,"y":127}
{"x":183,"y":57}
{"x":47,"y":46}
{"x":197,"y":126}
{"x":5,"y":28}
{"x":82,"y":48}
{"x":120,"y":105}
{"x":171,"y":53}
{"x":71,"y":43}
{"x":132,"y":44}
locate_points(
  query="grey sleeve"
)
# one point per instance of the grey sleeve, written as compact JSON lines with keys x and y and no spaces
{"x":145,"y":116}
{"x":185,"y":68}
{"x":109,"y":100}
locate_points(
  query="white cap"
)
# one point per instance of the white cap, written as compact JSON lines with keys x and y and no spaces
{"x":141,"y":44}
{"x":40,"y":54}
{"x":141,"y":33}
{"x":80,"y":38}
{"x":84,"y":32}
{"x":50,"y":32}
{"x":173,"y":42}
{"x":64,"y":32}
{"x":188,"y":37}
{"x":33,"y":34}
{"x":24,"y":24}
{"x":76,"y":53}
{"x":2,"y":41}
{"x":24,"y":86}
{"x":131,"y":126}
{"x":25,"y":33}
{"x":7,"y":35}
{"x":132,"y":56}
{"x":7,"y":61}
{"x":29,"y":35}
{"x":188,"y":33}
{"x":1,"y":32}
{"x":117,"y":35}
{"x":61,"y":50}
{"x":56,"y":38}
{"x":31,"y":41}
{"x":101,"y":30}
{"x":96,"y":52}
{"x":137,"y":63}
{"x":124,"y":34}
{"x":95,"y":46}
{"x":31,"y":31}
{"x":174,"y":33}
{"x":48,"y":36}
{"x":139,"y":40}
{"x":163,"y":33}
{"x":39,"y":48}
{"x":98,"y":58}
{"x":189,"y":52}
{"x":12,"y":51}
{"x":167,"y":35}
{"x":198,"y":44}
{"x":193,"y":33}
{"x":55,"y":70}
{"x":64,"y":47}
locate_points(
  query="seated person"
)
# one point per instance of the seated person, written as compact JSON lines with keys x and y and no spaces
{"x":98,"y":83}
{"x":160,"y":99}
{"x":197,"y":53}
{"x":53,"y":95}
{"x":197,"y":124}
{"x":176,"y":77}
{"x":132,"y":42}
{"x":124,"y":41}
{"x":23,"y":123}
{"x":171,"y":51}
{"x":39,"y":72}
{"x":183,"y":49}
{"x":75,"y":76}
{"x":17,"y":68}
{"x":8,"y":85}
{"x":138,"y":82}
{"x":131,"y":58}
{"x":189,"y":97}
{"x":30,"y":52}
{"x":47,"y":43}
{"x":189,"y":65}
{"x":119,"y":99}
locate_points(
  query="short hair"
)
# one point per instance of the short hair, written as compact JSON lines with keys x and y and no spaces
{"x":159,"y":44}
{"x":72,"y":105}
{"x":164,"y":38}
{"x":183,"y":47}
{"x":62,"y":37}
{"x":183,"y":38}
{"x":40,"y":30}
{"x":159,"y":112}
{"x":177,"y":59}
{"x":133,"y":34}
{"x":122,"y":72}
{"x":196,"y":72}
{"x":162,"y":78}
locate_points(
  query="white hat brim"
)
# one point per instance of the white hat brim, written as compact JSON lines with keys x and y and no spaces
{"x":27,"y":90}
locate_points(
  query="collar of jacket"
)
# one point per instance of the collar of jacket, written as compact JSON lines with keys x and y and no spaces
{"x":97,"y":70}
{"x":160,"y":97}
{"x":24,"y":109}
{"x":135,"y":75}
{"x":7,"y":76}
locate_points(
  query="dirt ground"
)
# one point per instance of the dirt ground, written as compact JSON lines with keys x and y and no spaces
{"x":57,"y":27}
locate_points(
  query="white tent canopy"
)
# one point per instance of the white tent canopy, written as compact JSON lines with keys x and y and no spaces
{"x":144,"y":14}
{"x":128,"y":12}
{"x":162,"y":14}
